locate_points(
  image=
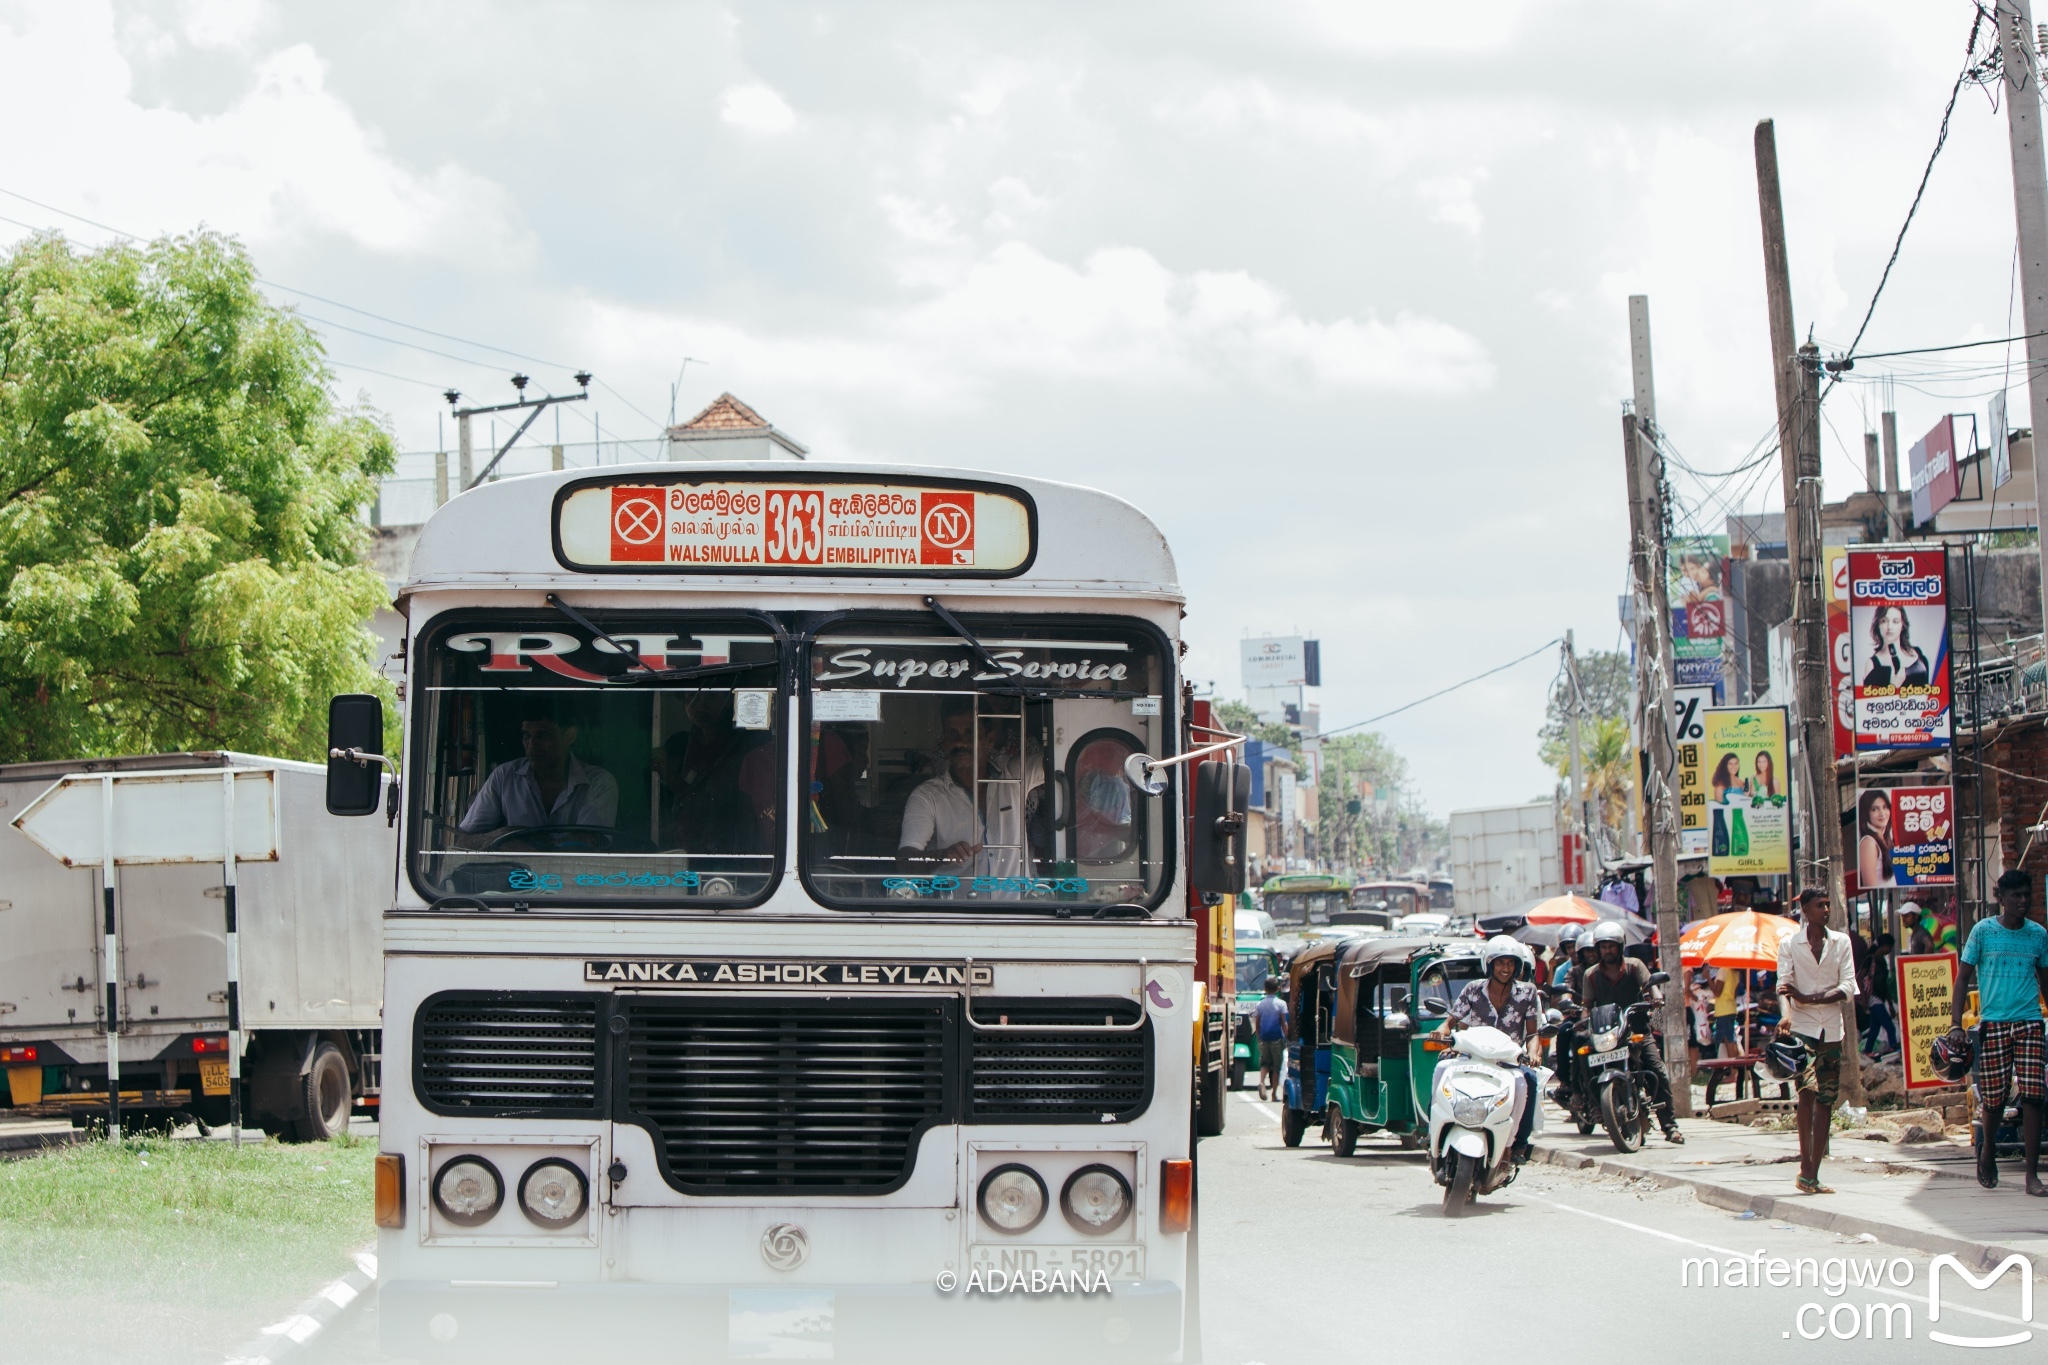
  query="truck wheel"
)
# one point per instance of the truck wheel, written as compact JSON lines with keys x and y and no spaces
{"x":1293,"y":1124}
{"x":326,"y":1093}
{"x":1209,"y":1103}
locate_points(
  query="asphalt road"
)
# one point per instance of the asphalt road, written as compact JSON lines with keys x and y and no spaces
{"x":1312,"y":1260}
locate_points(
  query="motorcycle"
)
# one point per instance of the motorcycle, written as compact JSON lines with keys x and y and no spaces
{"x":1472,"y":1116}
{"x":1573,"y":1093}
{"x":1616,"y":1086}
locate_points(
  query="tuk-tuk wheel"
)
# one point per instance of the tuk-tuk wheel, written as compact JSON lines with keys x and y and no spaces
{"x":1293,"y":1124}
{"x":1411,"y":1142}
{"x":1343,"y":1132}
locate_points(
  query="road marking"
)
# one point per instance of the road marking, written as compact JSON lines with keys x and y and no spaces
{"x":1261,"y":1106}
{"x":1740,"y":1256}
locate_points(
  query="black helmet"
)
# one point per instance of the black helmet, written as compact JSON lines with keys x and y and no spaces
{"x":1784,"y":1057}
{"x":1951,"y":1055}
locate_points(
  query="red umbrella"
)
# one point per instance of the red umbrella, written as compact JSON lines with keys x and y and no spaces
{"x":1565,"y":909}
{"x":1741,"y":938}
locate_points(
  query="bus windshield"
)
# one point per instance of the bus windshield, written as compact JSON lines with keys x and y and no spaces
{"x":1305,"y":907}
{"x":950,"y":778}
{"x":551,"y":775}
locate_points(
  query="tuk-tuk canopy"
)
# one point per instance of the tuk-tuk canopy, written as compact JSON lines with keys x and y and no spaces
{"x":1361,"y":957}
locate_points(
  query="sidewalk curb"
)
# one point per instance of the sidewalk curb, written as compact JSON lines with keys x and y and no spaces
{"x":282,"y":1341}
{"x":1803,"y":1210}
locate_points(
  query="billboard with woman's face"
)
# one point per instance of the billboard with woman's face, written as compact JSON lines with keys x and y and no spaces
{"x":1898,"y":638}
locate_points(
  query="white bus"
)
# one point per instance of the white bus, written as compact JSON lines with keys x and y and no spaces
{"x":790,"y":951}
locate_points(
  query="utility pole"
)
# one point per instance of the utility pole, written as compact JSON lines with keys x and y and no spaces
{"x":2030,"y":207}
{"x":1796,"y":380}
{"x":1579,"y":804}
{"x":537,"y":406}
{"x":1654,"y":669}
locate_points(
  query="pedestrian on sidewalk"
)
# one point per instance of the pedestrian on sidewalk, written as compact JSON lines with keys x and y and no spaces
{"x":1883,"y":989}
{"x":1269,"y":1020}
{"x":2007,"y":959}
{"x":1816,"y":973}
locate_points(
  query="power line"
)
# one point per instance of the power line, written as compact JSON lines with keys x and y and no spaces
{"x":1547,"y":644}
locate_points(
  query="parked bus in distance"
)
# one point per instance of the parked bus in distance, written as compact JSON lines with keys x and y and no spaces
{"x":1302,"y":902}
{"x":1386,"y":902}
{"x":792,"y":931}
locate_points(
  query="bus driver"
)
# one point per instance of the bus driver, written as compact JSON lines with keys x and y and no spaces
{"x":548,"y":787}
{"x":941,"y":827}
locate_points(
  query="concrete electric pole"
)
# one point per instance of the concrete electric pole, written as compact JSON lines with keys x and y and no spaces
{"x":1796,"y":381}
{"x":1580,"y":807}
{"x":2030,"y":208}
{"x":1654,"y":670}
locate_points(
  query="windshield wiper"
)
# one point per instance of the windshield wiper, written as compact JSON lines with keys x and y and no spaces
{"x":647,"y":675}
{"x":974,"y":645}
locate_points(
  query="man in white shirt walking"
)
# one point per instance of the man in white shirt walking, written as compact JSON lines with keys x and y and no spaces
{"x":1816,"y":973}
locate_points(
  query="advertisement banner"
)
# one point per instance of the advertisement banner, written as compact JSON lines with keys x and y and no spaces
{"x":1932,"y":461}
{"x":1898,"y":635}
{"x":1749,"y":781}
{"x":1841,"y":648}
{"x":1926,"y":987}
{"x":1905,"y":836}
{"x":1688,"y":727}
{"x":1694,"y":567}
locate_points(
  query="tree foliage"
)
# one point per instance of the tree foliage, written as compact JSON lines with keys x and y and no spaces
{"x":181,"y":543}
{"x":1604,"y":688}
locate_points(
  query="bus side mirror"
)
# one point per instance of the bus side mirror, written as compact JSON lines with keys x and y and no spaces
{"x":355,"y":749}
{"x":1216,"y":852}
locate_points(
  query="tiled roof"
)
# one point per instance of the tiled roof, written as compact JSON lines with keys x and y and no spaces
{"x":725,"y":414}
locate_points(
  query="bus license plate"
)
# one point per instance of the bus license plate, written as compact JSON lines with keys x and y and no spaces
{"x":1603,"y":1058}
{"x":1118,"y":1263}
{"x":213,"y":1075}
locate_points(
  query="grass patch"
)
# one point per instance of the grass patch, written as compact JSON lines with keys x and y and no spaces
{"x":192,"y":1244}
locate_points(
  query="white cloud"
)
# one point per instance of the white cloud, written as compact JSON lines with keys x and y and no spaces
{"x":222,"y":23}
{"x":757,"y":108}
{"x":288,"y":160}
{"x":1450,"y":200}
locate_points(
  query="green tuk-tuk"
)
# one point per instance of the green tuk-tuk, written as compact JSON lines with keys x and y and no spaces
{"x":1391,"y":994}
{"x":1255,"y":963}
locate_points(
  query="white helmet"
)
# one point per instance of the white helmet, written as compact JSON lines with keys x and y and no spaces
{"x":1607,"y":931}
{"x":1502,"y":946}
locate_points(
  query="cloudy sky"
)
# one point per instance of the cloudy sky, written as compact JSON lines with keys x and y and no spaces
{"x":1335,"y":290}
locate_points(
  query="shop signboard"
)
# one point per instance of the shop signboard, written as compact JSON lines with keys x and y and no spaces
{"x":1898,"y":640}
{"x":1926,"y":990}
{"x":1695,"y":566}
{"x":1748,"y":778}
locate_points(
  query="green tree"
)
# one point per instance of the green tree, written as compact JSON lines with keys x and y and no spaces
{"x":1604,"y":682}
{"x":1240,"y":719}
{"x":181,"y":537}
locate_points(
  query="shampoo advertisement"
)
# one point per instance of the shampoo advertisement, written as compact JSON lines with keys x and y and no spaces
{"x":1749,"y":804}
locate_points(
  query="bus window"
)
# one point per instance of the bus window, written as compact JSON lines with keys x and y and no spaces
{"x":937,"y":781}
{"x":1304,"y":907}
{"x":551,"y":779}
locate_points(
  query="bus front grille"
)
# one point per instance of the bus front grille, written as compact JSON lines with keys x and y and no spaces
{"x":509,"y":1053}
{"x":1101,"y":1068}
{"x":789,"y":1094}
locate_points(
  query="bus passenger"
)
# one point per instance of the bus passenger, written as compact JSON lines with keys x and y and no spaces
{"x":548,"y":787}
{"x":941,"y":828}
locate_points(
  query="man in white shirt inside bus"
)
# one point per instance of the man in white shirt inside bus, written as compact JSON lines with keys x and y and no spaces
{"x":941,"y":827}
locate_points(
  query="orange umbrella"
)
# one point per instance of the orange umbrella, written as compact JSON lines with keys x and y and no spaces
{"x":1742,"y":938}
{"x":1562,"y":910}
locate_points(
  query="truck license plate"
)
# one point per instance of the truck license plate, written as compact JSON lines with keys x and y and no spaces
{"x":1118,"y":1263}
{"x":1603,"y":1058}
{"x":213,"y":1075}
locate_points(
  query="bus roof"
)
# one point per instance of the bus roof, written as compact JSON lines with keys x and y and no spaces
{"x":504,"y":534}
{"x":1305,"y":881}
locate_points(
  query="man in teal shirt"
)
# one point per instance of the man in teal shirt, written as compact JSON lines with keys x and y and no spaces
{"x":2007,"y":959}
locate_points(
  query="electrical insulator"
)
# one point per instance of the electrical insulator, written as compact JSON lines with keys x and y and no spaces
{"x":2041,"y":39}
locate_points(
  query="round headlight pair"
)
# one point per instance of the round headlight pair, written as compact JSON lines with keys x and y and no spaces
{"x":1095,"y":1199}
{"x":552,"y":1193}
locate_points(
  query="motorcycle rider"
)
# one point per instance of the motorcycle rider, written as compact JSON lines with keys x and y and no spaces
{"x":1500,"y":1000}
{"x":1622,"y":982}
{"x":1563,"y":982}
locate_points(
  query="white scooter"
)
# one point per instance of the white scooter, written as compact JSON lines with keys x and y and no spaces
{"x":1473,"y":1115}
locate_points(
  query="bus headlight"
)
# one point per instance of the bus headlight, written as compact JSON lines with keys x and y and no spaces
{"x":468,"y":1191}
{"x":1012,"y":1198}
{"x":553,"y":1193}
{"x":1096,"y":1200}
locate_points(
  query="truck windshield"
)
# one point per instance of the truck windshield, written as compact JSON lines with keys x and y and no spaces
{"x":546,"y":779}
{"x":948,"y":777}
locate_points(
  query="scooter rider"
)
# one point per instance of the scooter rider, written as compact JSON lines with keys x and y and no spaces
{"x":1615,"y":980}
{"x":1499,"y":1000}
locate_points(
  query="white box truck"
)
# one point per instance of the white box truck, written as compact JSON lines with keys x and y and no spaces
{"x":310,"y":930}
{"x":1503,"y":857}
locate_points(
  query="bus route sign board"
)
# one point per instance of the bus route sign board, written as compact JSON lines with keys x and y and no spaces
{"x":817,"y":975}
{"x":794,"y":525}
